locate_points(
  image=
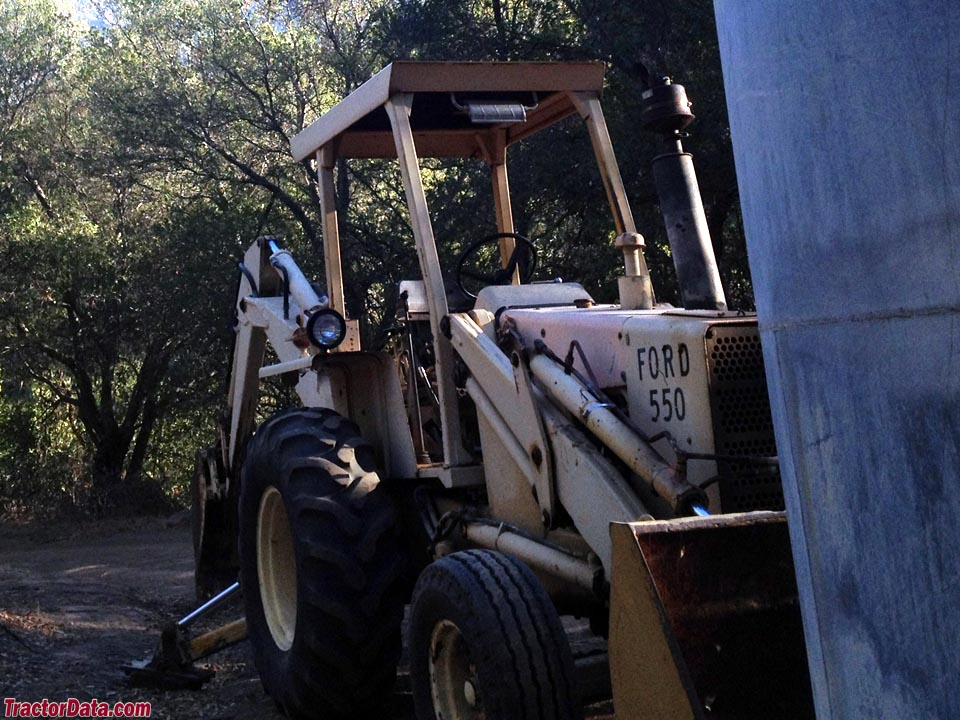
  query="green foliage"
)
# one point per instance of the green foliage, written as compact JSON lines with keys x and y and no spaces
{"x":140,"y":155}
{"x":39,"y":471}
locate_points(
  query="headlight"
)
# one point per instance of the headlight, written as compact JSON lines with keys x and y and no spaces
{"x":326,"y":328}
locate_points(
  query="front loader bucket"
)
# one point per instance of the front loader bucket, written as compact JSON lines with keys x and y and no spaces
{"x":705,"y":620}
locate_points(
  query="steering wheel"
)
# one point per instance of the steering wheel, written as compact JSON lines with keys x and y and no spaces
{"x":481,"y":264}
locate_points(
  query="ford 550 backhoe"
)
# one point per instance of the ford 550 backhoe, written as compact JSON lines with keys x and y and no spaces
{"x":520,"y":453}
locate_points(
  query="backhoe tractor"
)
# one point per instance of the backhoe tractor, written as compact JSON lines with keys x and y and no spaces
{"x":518,"y":452}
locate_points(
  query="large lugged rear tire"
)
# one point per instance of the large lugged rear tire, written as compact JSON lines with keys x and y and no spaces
{"x":486,"y":642}
{"x":320,"y":566}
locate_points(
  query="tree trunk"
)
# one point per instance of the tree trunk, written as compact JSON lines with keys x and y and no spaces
{"x":107,"y":473}
{"x":140,"y":445}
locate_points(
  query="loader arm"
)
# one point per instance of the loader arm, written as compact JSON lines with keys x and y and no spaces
{"x":523,"y":420}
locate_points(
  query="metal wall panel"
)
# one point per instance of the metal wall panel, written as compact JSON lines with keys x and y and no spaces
{"x":846,"y":126}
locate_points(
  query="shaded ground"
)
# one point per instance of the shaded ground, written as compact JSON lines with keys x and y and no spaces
{"x":77,"y":603}
{"x":84,"y":601}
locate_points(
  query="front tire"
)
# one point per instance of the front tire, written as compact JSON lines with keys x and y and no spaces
{"x":486,"y":642}
{"x":320,"y":566}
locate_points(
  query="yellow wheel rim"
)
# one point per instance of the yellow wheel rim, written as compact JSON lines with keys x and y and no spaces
{"x":277,"y":568}
{"x":453,"y":678}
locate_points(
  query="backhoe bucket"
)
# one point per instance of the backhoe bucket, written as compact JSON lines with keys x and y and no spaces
{"x":705,"y":620}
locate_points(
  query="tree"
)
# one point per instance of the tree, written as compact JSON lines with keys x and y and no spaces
{"x":214,"y":91}
{"x":36,"y":48}
{"x":104,"y":298}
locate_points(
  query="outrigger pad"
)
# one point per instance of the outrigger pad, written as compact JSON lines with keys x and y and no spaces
{"x":705,"y":620}
{"x":142,"y":674}
{"x":171,"y":667}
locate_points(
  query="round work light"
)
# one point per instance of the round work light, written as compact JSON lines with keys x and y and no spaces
{"x":326,"y":328}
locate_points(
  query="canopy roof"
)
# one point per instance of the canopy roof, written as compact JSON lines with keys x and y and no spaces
{"x":361,"y":128}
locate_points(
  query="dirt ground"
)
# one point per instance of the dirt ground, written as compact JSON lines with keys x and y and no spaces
{"x":77,"y":603}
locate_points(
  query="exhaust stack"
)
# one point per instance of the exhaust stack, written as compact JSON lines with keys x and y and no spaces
{"x":666,"y":111}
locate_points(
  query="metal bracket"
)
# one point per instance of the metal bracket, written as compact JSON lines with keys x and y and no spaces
{"x":539,"y":450}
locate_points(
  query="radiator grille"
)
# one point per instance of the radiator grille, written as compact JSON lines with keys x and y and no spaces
{"x":742,"y":424}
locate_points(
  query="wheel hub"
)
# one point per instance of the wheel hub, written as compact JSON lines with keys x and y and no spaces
{"x":453,"y":681}
{"x":277,"y":568}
